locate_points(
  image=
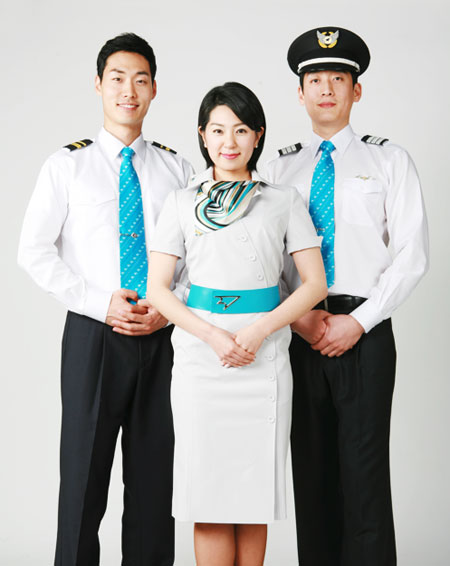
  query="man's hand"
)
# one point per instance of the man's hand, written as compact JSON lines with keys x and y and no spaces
{"x":311,"y":327}
{"x":133,"y":320}
{"x":342,"y":332}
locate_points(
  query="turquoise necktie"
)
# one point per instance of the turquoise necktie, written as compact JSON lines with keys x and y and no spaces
{"x":133,"y":251}
{"x":321,"y":206}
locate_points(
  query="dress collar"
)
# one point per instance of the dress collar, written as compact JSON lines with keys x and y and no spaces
{"x":207,"y":175}
{"x":113,"y":146}
{"x":340,"y":140}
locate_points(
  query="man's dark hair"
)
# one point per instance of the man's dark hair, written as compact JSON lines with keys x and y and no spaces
{"x":126,"y":42}
{"x":354,"y":75}
{"x":245,"y":104}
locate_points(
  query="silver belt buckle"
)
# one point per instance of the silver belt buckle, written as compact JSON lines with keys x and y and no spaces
{"x":325,"y":304}
{"x":226,"y":300}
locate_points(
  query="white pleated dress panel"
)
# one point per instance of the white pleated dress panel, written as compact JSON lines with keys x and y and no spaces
{"x":232,"y":425}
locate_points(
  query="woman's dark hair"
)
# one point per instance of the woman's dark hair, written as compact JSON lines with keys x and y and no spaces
{"x":244,"y":103}
{"x":126,"y":42}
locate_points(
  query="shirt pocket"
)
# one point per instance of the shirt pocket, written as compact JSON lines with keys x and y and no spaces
{"x":87,"y":195}
{"x":93,"y":210}
{"x":361,"y":201}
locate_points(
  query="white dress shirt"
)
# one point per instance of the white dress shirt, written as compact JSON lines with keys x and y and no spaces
{"x":70,"y":236}
{"x":381,"y":236}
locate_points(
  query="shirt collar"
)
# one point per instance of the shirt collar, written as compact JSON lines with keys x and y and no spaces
{"x":207,"y":175}
{"x":340,"y":140}
{"x":200,"y":178}
{"x":113,"y":146}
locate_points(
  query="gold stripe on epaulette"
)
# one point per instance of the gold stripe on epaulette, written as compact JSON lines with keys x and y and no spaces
{"x":78,"y":144}
{"x":156,"y":144}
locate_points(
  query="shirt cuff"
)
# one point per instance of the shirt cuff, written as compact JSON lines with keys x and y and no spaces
{"x":367,"y":315}
{"x":97,"y":303}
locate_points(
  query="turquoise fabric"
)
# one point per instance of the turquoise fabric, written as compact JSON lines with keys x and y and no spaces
{"x":133,"y":251}
{"x":321,"y":206}
{"x":233,"y":301}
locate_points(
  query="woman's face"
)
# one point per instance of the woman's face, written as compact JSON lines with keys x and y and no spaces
{"x":230,"y":144}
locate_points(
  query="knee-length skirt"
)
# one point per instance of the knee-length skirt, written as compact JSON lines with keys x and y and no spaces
{"x":232,"y":428}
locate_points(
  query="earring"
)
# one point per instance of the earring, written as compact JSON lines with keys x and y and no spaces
{"x":256,"y":146}
{"x":204,"y":144}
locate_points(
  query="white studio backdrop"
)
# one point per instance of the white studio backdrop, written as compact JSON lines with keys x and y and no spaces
{"x":48,"y":52}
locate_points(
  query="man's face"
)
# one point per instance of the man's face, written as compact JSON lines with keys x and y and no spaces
{"x":328,"y":97}
{"x":126,"y":89}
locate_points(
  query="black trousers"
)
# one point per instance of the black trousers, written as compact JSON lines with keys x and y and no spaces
{"x":112,"y":382}
{"x":340,"y":452}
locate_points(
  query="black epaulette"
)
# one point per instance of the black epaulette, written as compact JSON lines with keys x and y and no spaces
{"x":156,"y":144}
{"x":374,"y":139}
{"x":290,"y":149}
{"x":78,"y":145}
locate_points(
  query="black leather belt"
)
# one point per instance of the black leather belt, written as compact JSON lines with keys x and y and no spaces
{"x":340,"y":304}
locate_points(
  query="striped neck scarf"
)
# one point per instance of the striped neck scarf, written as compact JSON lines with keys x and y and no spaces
{"x":219,"y":203}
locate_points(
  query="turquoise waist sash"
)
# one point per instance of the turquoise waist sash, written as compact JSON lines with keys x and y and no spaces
{"x":233,"y":301}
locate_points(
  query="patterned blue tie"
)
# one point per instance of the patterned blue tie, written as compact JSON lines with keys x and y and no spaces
{"x":133,"y":251}
{"x":321,"y":206}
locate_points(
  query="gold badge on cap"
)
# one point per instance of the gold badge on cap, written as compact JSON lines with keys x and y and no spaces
{"x":328,"y":38}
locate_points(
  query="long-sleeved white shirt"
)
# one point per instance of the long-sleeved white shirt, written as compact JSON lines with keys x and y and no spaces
{"x":70,"y":237}
{"x":381,"y":235}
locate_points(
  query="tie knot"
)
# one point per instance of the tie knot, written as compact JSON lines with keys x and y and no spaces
{"x":327,"y":146}
{"x":127,"y":152}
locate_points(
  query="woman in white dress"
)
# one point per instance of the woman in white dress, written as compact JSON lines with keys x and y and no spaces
{"x":231,"y":381}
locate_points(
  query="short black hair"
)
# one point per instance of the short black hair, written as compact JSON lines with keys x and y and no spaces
{"x":354,"y":75}
{"x":126,"y":42}
{"x":244,"y":103}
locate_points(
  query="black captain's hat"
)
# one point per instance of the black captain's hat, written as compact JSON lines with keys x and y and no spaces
{"x":328,"y":48}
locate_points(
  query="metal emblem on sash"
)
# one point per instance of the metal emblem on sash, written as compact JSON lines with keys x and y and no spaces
{"x":226,"y":304}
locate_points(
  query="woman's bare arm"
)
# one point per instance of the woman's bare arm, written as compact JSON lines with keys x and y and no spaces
{"x":161,"y":271}
{"x":312,"y":290}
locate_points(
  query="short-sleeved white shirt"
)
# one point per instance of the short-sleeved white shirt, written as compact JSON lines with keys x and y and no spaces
{"x":247,"y":254}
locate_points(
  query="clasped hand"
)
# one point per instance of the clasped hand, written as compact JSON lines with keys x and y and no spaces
{"x":330,"y":334}
{"x":239,"y":349}
{"x":133,"y":320}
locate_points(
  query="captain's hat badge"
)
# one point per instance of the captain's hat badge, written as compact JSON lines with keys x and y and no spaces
{"x":327,"y":38}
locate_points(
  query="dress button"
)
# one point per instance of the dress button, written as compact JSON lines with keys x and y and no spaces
{"x":243,"y":238}
{"x":271,"y":398}
{"x":271,"y":419}
{"x":252,"y":258}
{"x":260,"y":277}
{"x":270,"y":357}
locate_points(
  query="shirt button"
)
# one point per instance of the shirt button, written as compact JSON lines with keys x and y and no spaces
{"x":260,"y":277}
{"x":270,"y":357}
{"x":271,"y":398}
{"x":271,"y":420}
{"x":243,"y":238}
{"x":272,"y":378}
{"x":252,"y":258}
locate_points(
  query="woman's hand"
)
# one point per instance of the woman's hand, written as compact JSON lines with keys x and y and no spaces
{"x":230,"y":353}
{"x":250,"y":337}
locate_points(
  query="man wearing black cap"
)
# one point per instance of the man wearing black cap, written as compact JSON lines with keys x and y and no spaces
{"x":365,"y":199}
